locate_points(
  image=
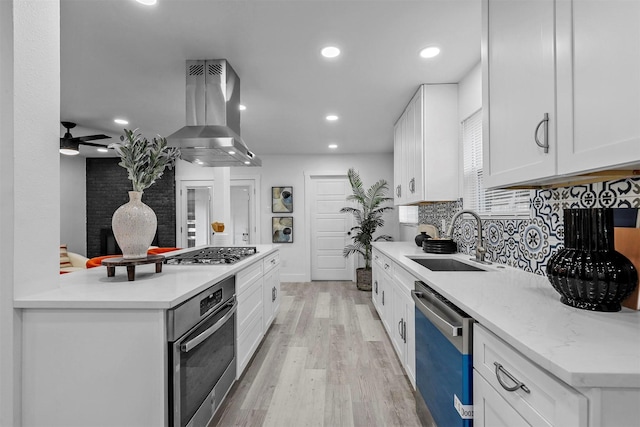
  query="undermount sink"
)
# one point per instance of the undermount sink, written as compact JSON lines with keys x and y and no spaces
{"x":445,"y":264}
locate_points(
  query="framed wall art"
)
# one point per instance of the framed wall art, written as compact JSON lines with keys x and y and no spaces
{"x":281,"y":199}
{"x":282,"y":229}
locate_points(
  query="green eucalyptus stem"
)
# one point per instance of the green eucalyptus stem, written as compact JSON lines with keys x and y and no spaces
{"x":144,"y":160}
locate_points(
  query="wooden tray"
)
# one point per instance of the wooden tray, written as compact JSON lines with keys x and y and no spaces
{"x":112,"y":263}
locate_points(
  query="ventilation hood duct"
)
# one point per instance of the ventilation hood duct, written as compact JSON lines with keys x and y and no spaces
{"x":212,"y":134}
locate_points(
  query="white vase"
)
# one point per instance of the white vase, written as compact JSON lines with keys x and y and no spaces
{"x":134,"y":227}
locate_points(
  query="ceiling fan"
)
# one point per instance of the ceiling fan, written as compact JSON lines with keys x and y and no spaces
{"x":69,"y":144}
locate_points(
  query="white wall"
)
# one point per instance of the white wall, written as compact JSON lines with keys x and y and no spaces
{"x":73,"y":203}
{"x":9,"y":325}
{"x":470,"y":93}
{"x":30,"y":174}
{"x":290,"y":171}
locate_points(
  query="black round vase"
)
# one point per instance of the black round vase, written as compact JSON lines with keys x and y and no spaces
{"x":588,"y":272}
{"x":421,"y":238}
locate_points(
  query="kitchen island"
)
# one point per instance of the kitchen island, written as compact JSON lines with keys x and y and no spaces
{"x":95,"y":349}
{"x":595,"y":354}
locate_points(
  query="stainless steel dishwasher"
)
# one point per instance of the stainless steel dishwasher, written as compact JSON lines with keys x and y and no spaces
{"x":444,"y":364}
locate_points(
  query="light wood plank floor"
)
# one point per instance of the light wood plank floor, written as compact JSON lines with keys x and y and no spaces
{"x":325,"y":361}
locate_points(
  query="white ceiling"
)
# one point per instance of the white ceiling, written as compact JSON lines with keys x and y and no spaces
{"x":122,"y":59}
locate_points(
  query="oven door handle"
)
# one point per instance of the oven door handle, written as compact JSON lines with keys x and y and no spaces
{"x":193,"y":343}
{"x":438,"y":315}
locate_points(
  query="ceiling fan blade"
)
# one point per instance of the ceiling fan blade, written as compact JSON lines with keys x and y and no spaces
{"x":92,"y":144}
{"x":82,"y":139}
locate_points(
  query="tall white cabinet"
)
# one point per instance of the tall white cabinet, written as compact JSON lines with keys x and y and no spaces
{"x":561,"y":93}
{"x":426,"y":146}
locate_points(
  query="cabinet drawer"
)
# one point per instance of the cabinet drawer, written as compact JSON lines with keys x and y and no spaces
{"x":271,"y":261}
{"x":379,"y":259}
{"x":547,"y":401}
{"x":384,"y":262}
{"x":247,"y":276}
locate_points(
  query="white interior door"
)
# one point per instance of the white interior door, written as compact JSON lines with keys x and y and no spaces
{"x":329,"y":228}
{"x":240,"y":227}
{"x":196,"y":204}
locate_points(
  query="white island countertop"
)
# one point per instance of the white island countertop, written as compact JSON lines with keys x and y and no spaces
{"x":92,"y":288}
{"x":582,"y":348}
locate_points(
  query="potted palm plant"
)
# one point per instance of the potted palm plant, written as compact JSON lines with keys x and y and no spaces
{"x":370,"y":205}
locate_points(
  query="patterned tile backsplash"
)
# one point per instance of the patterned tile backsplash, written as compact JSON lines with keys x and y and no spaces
{"x":528,"y":243}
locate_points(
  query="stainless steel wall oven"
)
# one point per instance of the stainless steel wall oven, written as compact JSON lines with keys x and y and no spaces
{"x":202,"y":354}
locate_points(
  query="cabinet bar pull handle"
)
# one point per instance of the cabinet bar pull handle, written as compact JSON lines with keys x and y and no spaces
{"x":544,"y":145}
{"x":404,"y":331}
{"x":518,"y":385}
{"x":412,"y":185}
{"x":400,"y":328}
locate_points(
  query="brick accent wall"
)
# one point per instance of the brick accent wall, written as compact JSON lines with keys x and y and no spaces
{"x":107,"y":190}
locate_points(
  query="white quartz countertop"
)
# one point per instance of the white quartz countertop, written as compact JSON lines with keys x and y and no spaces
{"x":92,"y":288}
{"x":582,"y":348}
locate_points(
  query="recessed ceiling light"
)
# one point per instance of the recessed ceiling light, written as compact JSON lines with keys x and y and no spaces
{"x":247,"y":162}
{"x":121,"y":121}
{"x":147,"y":2}
{"x":333,"y":146}
{"x":332,"y":117}
{"x":330,"y":52}
{"x":103,"y":150}
{"x":242,"y":107}
{"x":232,"y":152}
{"x":430,"y":52}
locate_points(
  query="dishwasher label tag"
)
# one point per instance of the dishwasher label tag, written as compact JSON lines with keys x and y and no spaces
{"x":465,"y":411}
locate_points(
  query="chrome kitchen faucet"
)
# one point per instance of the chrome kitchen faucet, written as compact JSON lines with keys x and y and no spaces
{"x":480,"y":250}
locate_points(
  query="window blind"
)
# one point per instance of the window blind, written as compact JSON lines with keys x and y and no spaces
{"x":475,"y":196}
{"x":408,"y":214}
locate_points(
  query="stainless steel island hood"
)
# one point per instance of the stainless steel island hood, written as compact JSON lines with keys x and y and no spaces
{"x":212,"y":134}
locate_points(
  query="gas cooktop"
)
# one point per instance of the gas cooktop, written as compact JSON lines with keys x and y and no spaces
{"x":212,"y":255}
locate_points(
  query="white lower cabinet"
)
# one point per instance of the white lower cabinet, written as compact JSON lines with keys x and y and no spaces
{"x":382,"y":289}
{"x":509,"y":390}
{"x":376,"y":289}
{"x":258,"y":295}
{"x":391,"y":295}
{"x":404,"y":321}
{"x":249,"y":332}
{"x":491,"y":410}
{"x":271,"y":289}
{"x":398,"y":322}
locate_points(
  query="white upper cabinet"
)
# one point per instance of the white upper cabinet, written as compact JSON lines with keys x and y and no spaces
{"x":561,"y":92}
{"x":399,"y":172}
{"x":598,"y":84}
{"x":518,"y":88}
{"x":426,"y":146}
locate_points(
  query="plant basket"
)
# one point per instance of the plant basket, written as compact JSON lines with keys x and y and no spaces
{"x":363,"y":279}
